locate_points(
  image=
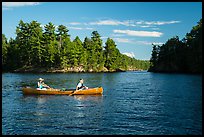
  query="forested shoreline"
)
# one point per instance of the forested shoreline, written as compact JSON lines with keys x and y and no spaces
{"x":50,"y":49}
{"x":180,"y":56}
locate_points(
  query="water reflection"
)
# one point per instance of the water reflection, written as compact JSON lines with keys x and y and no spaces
{"x":88,"y":113}
{"x":41,"y":100}
{"x":95,"y":98}
{"x":87,"y":101}
{"x":132,"y":103}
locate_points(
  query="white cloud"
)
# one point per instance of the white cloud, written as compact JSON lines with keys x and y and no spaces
{"x":131,"y":54}
{"x":74,"y":23}
{"x":80,"y":28}
{"x":157,"y":43}
{"x":117,"y":35}
{"x":19,"y":4}
{"x":139,"y":33}
{"x":149,"y":43}
{"x":76,"y":28}
{"x":128,"y":23}
{"x":143,"y":24}
{"x":139,"y":22}
{"x":155,"y":28}
{"x":113,"y":22}
{"x":123,"y":40}
{"x":131,"y":41}
{"x":149,"y":23}
{"x":144,"y":42}
{"x":105,"y":22}
{"x":160,"y":22}
{"x":104,"y":37}
{"x":9,"y":5}
{"x":88,"y":28}
{"x":4,"y":8}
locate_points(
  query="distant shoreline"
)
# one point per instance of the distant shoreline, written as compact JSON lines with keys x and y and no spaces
{"x":69,"y":70}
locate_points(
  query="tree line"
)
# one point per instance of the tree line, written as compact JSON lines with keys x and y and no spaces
{"x":179,"y":55}
{"x":51,"y":47}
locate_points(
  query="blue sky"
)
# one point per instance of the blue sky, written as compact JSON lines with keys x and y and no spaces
{"x":132,"y":25}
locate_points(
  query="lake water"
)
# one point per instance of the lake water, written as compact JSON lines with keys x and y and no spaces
{"x":138,"y":103}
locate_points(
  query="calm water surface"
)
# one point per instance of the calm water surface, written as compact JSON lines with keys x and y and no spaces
{"x":132,"y":103}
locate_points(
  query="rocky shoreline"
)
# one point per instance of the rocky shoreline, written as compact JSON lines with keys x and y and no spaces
{"x":67,"y":70}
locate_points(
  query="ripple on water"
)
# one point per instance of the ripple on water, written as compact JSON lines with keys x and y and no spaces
{"x":132,"y":103}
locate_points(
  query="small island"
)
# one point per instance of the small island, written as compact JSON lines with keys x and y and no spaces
{"x":38,"y":49}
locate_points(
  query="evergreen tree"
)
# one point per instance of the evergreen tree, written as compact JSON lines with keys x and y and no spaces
{"x":90,"y":51}
{"x":36,"y":44}
{"x":4,"y":50}
{"x":97,"y":43}
{"x":154,"y":58}
{"x":13,"y":56}
{"x":35,"y":47}
{"x":63,"y":39}
{"x":51,"y":45}
{"x":111,"y":54}
{"x":22,"y":40}
{"x":180,"y":55}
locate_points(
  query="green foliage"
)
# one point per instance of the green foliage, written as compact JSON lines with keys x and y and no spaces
{"x":35,"y":41}
{"x":97,"y":52}
{"x":89,"y":47}
{"x":13,"y":56}
{"x":4,"y":49}
{"x":22,"y":41}
{"x":51,"y":47}
{"x":154,"y":58}
{"x":179,"y":55}
{"x":111,"y":54}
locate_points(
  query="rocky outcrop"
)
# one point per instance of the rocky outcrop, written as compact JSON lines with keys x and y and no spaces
{"x":78,"y":69}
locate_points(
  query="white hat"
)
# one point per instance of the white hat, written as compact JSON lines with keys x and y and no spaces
{"x":41,"y":79}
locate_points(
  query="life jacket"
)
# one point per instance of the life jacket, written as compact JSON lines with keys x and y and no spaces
{"x":41,"y":86}
{"x":82,"y":85}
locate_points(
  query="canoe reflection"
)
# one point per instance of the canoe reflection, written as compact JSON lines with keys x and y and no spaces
{"x":41,"y":100}
{"x":88,"y":97}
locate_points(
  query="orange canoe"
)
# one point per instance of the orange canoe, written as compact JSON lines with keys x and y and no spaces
{"x":90,"y":91}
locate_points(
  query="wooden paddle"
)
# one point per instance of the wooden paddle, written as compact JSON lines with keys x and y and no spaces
{"x":72,"y":93}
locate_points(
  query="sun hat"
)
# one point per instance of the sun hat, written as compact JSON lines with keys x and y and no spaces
{"x":41,"y":79}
